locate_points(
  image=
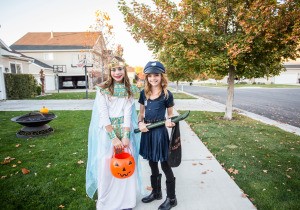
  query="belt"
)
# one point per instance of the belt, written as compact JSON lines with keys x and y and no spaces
{"x":154,"y":121}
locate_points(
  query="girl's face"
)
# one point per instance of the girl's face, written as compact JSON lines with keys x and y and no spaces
{"x":154,"y":79}
{"x":118,"y":73}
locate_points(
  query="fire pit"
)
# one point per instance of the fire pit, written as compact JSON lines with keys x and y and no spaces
{"x":35,"y":124}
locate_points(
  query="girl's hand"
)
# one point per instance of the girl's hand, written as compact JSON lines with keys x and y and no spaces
{"x":142,"y":127}
{"x":125,"y":142}
{"x":169,"y":123}
{"x":117,"y":144}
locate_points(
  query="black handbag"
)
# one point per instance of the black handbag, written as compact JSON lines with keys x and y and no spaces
{"x":174,"y":157}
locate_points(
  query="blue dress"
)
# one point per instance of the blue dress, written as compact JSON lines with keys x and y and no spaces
{"x":155,"y":143}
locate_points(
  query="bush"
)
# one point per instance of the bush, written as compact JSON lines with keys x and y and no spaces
{"x":38,"y":90}
{"x":20,"y":86}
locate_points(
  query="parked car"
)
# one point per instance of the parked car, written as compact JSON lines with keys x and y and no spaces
{"x":68,"y":84}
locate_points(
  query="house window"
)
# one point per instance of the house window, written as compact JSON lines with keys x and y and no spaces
{"x":48,"y":56}
{"x":15,"y":68}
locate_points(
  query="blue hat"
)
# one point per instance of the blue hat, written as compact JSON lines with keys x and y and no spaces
{"x":154,"y":67}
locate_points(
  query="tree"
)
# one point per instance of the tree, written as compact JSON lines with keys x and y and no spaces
{"x":233,"y":38}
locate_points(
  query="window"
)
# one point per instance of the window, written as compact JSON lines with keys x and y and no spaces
{"x":48,"y":56}
{"x":15,"y":68}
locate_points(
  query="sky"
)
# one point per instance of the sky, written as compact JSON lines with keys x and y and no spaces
{"x":17,"y":17}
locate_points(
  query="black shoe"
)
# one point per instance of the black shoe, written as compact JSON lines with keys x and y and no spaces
{"x":156,"y":192}
{"x":153,"y":196}
{"x":168,"y":204}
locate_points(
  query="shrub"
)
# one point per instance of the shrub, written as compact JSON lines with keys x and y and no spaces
{"x":20,"y":86}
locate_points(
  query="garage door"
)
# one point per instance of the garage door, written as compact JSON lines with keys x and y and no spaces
{"x":286,"y":79}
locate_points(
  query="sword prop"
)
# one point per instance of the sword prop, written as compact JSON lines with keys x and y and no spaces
{"x":174,"y":119}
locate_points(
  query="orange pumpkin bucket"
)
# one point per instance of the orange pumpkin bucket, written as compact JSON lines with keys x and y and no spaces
{"x":122,"y":165}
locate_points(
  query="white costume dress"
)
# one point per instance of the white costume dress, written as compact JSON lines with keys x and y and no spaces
{"x":119,"y":111}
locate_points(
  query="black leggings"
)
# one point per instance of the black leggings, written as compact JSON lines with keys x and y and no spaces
{"x":165,"y":167}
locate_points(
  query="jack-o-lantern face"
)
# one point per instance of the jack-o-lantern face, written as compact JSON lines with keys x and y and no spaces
{"x":122,"y":165}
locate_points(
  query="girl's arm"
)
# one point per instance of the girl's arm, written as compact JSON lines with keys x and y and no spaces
{"x":168,"y":122}
{"x":127,"y":122}
{"x":142,"y":125}
{"x":104,"y":117}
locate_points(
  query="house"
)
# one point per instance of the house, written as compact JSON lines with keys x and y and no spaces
{"x":11,"y":62}
{"x":73,"y":57}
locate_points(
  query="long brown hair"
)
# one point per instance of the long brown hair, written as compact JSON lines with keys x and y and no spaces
{"x":109,"y":83}
{"x":163,"y":84}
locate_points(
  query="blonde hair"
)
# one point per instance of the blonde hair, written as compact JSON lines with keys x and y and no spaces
{"x":163,"y":84}
{"x":109,"y":83}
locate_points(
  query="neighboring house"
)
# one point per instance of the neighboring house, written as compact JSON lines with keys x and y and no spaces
{"x":11,"y":62}
{"x":66,"y":53}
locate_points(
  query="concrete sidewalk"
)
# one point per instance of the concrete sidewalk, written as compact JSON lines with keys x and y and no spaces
{"x":201,"y":182}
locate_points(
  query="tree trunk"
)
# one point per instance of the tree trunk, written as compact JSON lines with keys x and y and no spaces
{"x":230,"y":94}
{"x":176,"y":86}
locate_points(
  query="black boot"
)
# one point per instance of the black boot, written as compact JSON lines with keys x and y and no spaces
{"x":171,"y":200}
{"x":156,"y":190}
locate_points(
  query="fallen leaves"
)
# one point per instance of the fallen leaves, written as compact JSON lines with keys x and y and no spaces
{"x":25,"y":171}
{"x":61,"y":206}
{"x":233,"y":171}
{"x":80,"y":162}
{"x":7,"y":160}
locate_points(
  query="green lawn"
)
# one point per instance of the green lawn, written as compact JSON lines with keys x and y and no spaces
{"x":91,"y":95}
{"x":267,"y":160}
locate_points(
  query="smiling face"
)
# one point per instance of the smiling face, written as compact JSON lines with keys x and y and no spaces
{"x":117,"y":73}
{"x":154,"y":79}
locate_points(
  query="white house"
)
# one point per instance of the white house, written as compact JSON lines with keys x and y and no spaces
{"x":63,"y":57}
{"x":11,"y":62}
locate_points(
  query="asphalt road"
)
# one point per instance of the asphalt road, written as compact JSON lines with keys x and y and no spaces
{"x":280,"y":104}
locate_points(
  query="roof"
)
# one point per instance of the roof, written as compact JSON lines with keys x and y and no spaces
{"x":56,"y":40}
{"x":5,"y":51}
{"x":41,"y":64}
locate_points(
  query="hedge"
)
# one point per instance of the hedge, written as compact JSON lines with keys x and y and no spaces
{"x":20,"y":86}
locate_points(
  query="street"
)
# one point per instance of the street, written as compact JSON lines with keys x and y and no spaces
{"x":280,"y":104}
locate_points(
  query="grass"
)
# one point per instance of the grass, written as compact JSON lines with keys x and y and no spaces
{"x":56,"y":178}
{"x":91,"y":95}
{"x":266,"y":158}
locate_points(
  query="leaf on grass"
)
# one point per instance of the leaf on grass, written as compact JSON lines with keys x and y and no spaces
{"x":49,"y":165}
{"x":230,"y":170}
{"x":7,"y":160}
{"x":73,"y":189}
{"x":235,"y":171}
{"x":244,"y":195}
{"x":288,"y":176}
{"x":149,"y":188}
{"x":80,"y":162}
{"x":31,"y":145}
{"x":14,"y":165}
{"x":3,"y":177}
{"x":61,"y":206}
{"x":25,"y":171}
{"x":17,"y":145}
{"x":265,"y":171}
{"x":19,"y":161}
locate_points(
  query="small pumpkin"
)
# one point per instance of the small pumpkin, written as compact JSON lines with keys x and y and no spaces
{"x":44,"y":110}
{"x":122,"y":165}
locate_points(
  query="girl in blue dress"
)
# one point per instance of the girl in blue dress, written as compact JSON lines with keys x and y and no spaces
{"x":154,"y":101}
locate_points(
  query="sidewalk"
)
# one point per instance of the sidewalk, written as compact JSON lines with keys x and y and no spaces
{"x":201,"y":182}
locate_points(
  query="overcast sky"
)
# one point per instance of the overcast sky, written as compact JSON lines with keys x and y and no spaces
{"x":17,"y":17}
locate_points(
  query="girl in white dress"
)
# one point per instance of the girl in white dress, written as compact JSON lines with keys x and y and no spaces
{"x":111,"y":129}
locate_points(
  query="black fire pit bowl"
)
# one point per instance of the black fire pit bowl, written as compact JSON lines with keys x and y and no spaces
{"x":35,"y":124}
